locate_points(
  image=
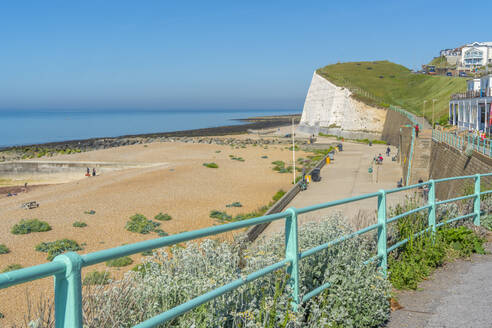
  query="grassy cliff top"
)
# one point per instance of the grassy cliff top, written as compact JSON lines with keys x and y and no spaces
{"x":383,"y":83}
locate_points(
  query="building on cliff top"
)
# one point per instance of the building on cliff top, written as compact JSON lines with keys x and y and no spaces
{"x":472,"y":110}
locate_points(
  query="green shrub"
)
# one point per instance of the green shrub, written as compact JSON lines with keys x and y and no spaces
{"x":58,"y":247}
{"x":211,"y":165}
{"x":28,"y":226}
{"x":234,"y":204}
{"x":12,"y":267}
{"x":264,"y":156}
{"x":161,"y":233}
{"x":162,"y":217}
{"x":358,"y":296}
{"x":279,"y":194}
{"x":147,"y":253}
{"x":4,"y":249}
{"x":90,"y":212}
{"x":140,"y":224}
{"x":119,"y":262}
{"x":97,"y":278}
{"x":463,"y":240}
{"x":214,"y":214}
{"x":79,"y":224}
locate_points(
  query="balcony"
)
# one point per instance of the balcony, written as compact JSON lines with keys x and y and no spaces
{"x":472,"y":94}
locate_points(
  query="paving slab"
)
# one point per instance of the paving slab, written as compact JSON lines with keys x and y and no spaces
{"x":348,"y":176}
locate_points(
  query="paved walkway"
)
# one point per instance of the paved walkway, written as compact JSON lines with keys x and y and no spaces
{"x":459,"y":295}
{"x":348,"y":176}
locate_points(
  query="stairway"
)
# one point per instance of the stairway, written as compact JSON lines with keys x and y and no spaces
{"x":421,"y":156}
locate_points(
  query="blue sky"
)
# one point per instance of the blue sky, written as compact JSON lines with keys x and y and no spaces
{"x":208,"y":54}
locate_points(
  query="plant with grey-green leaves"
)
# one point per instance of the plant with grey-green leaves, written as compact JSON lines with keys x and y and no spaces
{"x":358,"y":296}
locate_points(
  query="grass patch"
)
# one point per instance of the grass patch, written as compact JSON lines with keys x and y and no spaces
{"x":211,"y":165}
{"x":140,"y":224}
{"x":403,"y":89}
{"x":239,"y":159}
{"x":79,"y":224}
{"x":97,"y":278}
{"x":418,"y":258}
{"x":163,"y":217}
{"x":54,"y":248}
{"x":234,"y":204}
{"x":279,"y":194}
{"x":161,"y":233}
{"x":219,"y":215}
{"x":28,"y":226}
{"x":4,"y":249}
{"x":12,"y":267}
{"x":119,"y":262}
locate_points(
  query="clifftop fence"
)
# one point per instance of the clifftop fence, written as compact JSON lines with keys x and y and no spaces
{"x":66,"y":268}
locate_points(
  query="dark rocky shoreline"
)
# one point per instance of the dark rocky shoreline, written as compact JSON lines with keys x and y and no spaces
{"x":194,"y":136}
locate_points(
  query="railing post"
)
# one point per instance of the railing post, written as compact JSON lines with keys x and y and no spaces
{"x":476,"y":203}
{"x":432,"y":202}
{"x":382,"y":240}
{"x":292,"y":254}
{"x":68,"y":292}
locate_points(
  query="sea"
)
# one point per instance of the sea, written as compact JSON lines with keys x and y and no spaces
{"x":25,"y":127}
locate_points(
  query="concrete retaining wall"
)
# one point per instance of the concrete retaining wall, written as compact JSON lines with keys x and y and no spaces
{"x":280,"y":205}
{"x":28,"y":167}
{"x":447,"y":161}
{"x":395,"y":133}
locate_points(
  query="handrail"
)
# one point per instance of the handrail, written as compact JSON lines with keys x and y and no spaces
{"x":481,"y":146}
{"x":414,"y":123}
{"x":66,"y":268}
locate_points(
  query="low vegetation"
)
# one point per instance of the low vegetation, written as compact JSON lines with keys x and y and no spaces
{"x":382,"y":83}
{"x":234,"y":204}
{"x":119,"y":262}
{"x":279,"y":194}
{"x":79,"y":224}
{"x":90,"y":212}
{"x":417,"y":259}
{"x":97,"y":278}
{"x":163,"y":217}
{"x":359,"y":294}
{"x":12,"y":267}
{"x":58,"y":247}
{"x":235,"y":158}
{"x":211,"y":165}
{"x":4,"y":249}
{"x":27,"y":226}
{"x":140,"y":224}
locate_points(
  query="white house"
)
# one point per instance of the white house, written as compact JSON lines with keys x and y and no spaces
{"x":472,"y":110}
{"x":476,"y":54}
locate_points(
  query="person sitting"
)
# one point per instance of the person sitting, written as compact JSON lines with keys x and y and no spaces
{"x":380,"y":159}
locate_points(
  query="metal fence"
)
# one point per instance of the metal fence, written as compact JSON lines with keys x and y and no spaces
{"x":474,"y":142}
{"x":66,"y":268}
{"x":410,"y":156}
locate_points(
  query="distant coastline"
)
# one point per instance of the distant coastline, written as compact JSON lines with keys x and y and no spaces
{"x":250,"y":123}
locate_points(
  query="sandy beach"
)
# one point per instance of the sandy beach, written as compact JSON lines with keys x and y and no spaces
{"x":171,"y":180}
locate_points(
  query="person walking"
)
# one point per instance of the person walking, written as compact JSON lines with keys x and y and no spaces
{"x":94,"y":172}
{"x":417,"y":130}
{"x":388,"y":150}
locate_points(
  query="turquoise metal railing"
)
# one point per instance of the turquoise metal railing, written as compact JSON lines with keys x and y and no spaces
{"x":461,"y":142}
{"x":414,"y":123}
{"x":66,"y":268}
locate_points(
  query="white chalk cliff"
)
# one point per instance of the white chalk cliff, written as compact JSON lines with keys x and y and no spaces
{"x":329,"y":106}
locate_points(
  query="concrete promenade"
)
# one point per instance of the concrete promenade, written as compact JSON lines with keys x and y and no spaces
{"x":348,"y":176}
{"x":457,"y":295}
